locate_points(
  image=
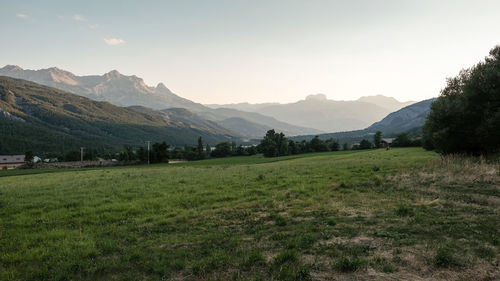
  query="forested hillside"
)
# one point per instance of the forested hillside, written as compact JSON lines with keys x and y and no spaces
{"x":44,"y":119}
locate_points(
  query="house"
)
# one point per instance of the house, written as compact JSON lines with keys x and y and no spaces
{"x":11,"y":161}
{"x":386,"y":142}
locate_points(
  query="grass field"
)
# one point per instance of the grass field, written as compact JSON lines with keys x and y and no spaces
{"x":403,"y":214}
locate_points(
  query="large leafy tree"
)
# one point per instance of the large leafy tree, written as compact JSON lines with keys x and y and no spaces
{"x":466,"y":117}
{"x":274,"y":144}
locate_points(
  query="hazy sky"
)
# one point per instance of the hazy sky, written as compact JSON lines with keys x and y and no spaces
{"x":257,"y":51}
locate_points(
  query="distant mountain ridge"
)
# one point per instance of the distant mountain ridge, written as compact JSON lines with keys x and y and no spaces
{"x":405,"y":119}
{"x":123,"y":90}
{"x":318,"y":112}
{"x":408,"y":119}
{"x":112,"y":87}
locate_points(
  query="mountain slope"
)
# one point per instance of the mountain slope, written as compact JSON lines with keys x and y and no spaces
{"x":253,"y":118}
{"x":112,"y":87}
{"x":317,"y":112}
{"x":410,"y":118}
{"x":125,"y":90}
{"x":40,"y":118}
{"x":405,"y":119}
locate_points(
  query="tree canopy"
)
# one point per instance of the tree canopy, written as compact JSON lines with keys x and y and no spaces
{"x":466,"y":116}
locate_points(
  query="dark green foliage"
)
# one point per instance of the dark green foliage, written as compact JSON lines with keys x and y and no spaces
{"x":240,"y":151}
{"x":199,"y":149}
{"x":251,"y":150}
{"x":402,"y":140}
{"x":466,"y":117}
{"x":208,"y":150}
{"x":222,"y":149}
{"x":377,"y":139}
{"x":29,"y":157}
{"x":159,"y":152}
{"x":127,"y":154}
{"x":404,"y":210}
{"x":346,"y":264}
{"x":365,"y":144}
{"x":318,"y":145}
{"x":72,"y":155}
{"x":274,"y":144}
{"x":333,"y":145}
{"x":445,"y":258}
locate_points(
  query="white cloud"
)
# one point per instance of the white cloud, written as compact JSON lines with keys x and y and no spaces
{"x":93,"y":26}
{"x":114,"y":41}
{"x":79,"y":18}
{"x":22,"y":16}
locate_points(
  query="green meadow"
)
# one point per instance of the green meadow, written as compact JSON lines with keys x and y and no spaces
{"x":402,"y":214}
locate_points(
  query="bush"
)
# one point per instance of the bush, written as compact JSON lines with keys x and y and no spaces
{"x":346,"y":264}
{"x":445,"y":258}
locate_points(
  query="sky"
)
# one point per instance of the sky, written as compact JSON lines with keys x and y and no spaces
{"x":229,"y":51}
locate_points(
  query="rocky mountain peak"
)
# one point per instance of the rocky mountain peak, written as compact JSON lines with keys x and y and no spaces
{"x":11,"y":67}
{"x":317,"y":97}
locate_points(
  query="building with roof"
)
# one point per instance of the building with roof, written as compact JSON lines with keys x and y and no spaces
{"x":11,"y":161}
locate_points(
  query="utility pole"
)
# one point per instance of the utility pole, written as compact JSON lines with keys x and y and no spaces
{"x":81,"y":154}
{"x":149,"y":142}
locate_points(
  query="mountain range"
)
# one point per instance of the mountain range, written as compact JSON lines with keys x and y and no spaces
{"x":313,"y":115}
{"x":409,"y":119}
{"x":45,"y":119}
{"x":40,"y":118}
{"x":123,"y":90}
{"x":113,"y":109}
{"x":318,"y":112}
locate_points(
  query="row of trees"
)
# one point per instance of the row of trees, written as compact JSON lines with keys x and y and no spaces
{"x":276,"y":144}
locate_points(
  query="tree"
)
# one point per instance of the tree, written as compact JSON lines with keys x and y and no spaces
{"x":159,"y":152}
{"x":293,"y":148}
{"x":127,"y":154}
{"x":241,"y":151}
{"x":72,"y":155}
{"x":377,"y":138}
{"x":345,"y":146}
{"x":268,"y":144}
{"x":466,"y":116}
{"x":365,"y":144}
{"x":222,"y":149}
{"x":333,"y":145}
{"x":29,"y":158}
{"x":208,"y":149}
{"x":251,"y":150}
{"x":274,"y":144}
{"x":402,"y":140}
{"x":317,"y":145}
{"x":199,"y":149}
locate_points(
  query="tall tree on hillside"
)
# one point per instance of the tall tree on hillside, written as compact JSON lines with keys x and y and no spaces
{"x":466,"y":116}
{"x":199,"y":149}
{"x":377,"y":138}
